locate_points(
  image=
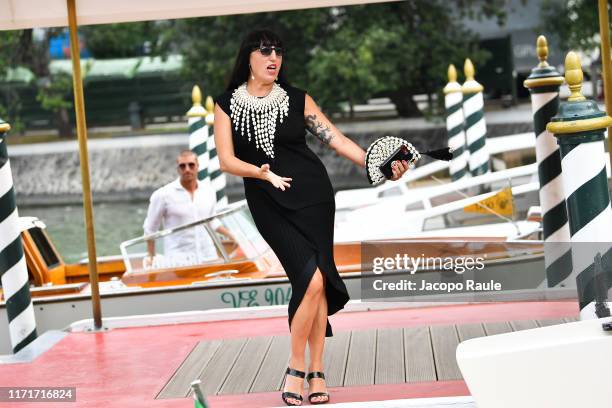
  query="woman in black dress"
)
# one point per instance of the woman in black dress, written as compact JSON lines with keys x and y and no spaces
{"x":260,"y":127}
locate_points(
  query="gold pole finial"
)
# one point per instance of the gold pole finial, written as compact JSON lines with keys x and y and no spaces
{"x":573,"y":76}
{"x":542,"y":49}
{"x":4,"y":127}
{"x":210,"y":107}
{"x":468,"y":70}
{"x":197,"y":110}
{"x":452,"y":73}
{"x":196,"y":96}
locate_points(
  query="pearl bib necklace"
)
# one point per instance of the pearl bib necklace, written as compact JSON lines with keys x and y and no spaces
{"x":260,"y":114}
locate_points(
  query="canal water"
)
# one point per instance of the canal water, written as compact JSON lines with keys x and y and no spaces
{"x":113,"y":223}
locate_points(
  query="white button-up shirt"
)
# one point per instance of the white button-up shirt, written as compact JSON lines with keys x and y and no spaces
{"x":171,"y":206}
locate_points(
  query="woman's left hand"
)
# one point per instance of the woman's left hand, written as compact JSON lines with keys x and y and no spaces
{"x":399,"y":168}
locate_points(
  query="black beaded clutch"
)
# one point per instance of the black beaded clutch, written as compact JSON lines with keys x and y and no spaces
{"x":385,"y":150}
{"x":401,"y":153}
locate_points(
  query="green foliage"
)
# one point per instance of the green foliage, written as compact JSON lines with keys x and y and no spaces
{"x":121,"y":40}
{"x":56,"y":93}
{"x":350,"y":60}
{"x":575,"y":23}
{"x":210,"y":44}
{"x":338,"y":54}
{"x":479,"y":9}
{"x":9,"y":105}
{"x":412,"y":44}
{"x":349,"y":53}
{"x":19,"y":49}
{"x":8,"y":43}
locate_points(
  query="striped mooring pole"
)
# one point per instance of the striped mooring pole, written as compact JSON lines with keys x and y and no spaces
{"x":475,"y":126}
{"x":543,"y":84}
{"x":13,"y":268}
{"x":217,"y":177}
{"x":202,"y":143}
{"x":198,"y":132}
{"x":199,"y":400}
{"x":579,"y":127}
{"x":453,"y":102}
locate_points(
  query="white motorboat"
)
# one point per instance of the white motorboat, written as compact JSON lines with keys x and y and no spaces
{"x":355,"y":198}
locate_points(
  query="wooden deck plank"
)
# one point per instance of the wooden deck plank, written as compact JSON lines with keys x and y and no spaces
{"x":445,"y":340}
{"x":220,"y":364}
{"x":470,"y":331}
{"x":518,"y":325}
{"x":418,"y":355}
{"x":247,"y":366}
{"x":335,"y":356}
{"x":272,"y":371}
{"x":365,"y":357}
{"x":361,"y":358}
{"x":390,"y":368}
{"x":179,"y":384}
{"x":550,"y":322}
{"x":497,"y":328}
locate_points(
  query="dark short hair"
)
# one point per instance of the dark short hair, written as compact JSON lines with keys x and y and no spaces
{"x":240,"y":72}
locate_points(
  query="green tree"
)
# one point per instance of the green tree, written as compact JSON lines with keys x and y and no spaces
{"x":404,"y":49}
{"x":349,"y":57}
{"x":210,"y":44}
{"x":575,"y":23}
{"x":55,"y":94}
{"x":10,"y":52}
{"x":54,"y":90}
{"x":396,"y":49}
{"x":20,"y":49}
{"x":122,"y":40}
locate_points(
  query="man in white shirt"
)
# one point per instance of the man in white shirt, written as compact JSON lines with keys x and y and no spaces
{"x":180,"y":202}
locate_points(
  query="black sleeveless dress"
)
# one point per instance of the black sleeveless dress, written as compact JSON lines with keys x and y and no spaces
{"x":297,"y":223}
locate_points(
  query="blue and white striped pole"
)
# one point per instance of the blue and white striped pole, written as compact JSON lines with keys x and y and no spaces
{"x":198,"y":132}
{"x":13,"y":268}
{"x":453,"y":102}
{"x":543,"y":84}
{"x":579,"y":127}
{"x":217,"y":177}
{"x":475,"y":126}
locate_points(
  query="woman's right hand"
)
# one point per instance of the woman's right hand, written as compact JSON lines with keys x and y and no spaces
{"x":277,"y":181}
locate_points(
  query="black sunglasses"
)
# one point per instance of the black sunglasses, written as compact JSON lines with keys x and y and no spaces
{"x":183,"y":166}
{"x":266,"y":50}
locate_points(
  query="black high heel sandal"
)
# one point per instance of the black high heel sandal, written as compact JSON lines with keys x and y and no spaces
{"x":316,"y":374}
{"x":287,"y":394}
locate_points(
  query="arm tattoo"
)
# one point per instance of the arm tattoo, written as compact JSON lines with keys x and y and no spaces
{"x":322,"y":132}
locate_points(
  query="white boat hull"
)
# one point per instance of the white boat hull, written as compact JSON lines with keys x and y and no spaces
{"x":59,"y":312}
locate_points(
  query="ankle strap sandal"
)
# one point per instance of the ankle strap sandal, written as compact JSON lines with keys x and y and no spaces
{"x":293,"y":395}
{"x":317,"y":374}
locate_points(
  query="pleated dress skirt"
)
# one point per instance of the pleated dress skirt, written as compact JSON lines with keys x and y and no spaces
{"x":302,"y":239}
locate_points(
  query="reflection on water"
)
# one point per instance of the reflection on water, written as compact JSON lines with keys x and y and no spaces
{"x":114,"y":223}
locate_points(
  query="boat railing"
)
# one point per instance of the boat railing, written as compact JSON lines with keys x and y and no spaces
{"x":424,"y":198}
{"x":496,"y":145}
{"x":459,"y":205}
{"x":359,"y":198}
{"x":162,"y":233}
{"x":384,"y":223}
{"x":197,"y":243}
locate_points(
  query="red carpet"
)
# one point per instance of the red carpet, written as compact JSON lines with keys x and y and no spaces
{"x":128,"y":367}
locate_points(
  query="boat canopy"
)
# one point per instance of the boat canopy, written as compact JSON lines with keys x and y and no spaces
{"x":20,"y":14}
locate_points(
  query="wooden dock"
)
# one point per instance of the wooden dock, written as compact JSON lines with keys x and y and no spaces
{"x":352,"y":358}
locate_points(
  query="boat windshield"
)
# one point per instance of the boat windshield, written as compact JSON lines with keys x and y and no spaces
{"x":229,"y":235}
